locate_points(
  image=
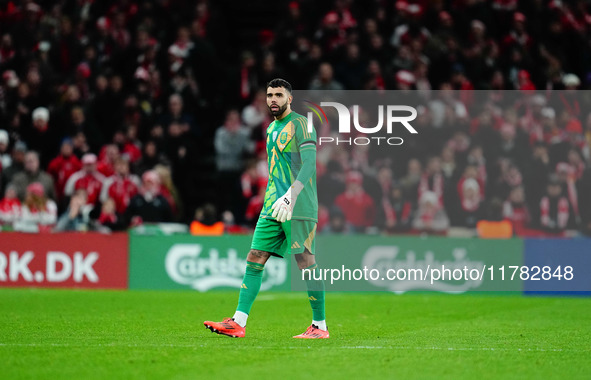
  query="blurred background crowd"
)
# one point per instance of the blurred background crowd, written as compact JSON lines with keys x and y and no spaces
{"x":117,"y":113}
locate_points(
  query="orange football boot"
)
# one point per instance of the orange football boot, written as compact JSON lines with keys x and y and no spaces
{"x":227,"y":327}
{"x":313,"y":332}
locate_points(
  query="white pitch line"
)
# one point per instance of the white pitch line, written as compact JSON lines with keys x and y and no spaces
{"x":460,"y":348}
{"x":405,"y":348}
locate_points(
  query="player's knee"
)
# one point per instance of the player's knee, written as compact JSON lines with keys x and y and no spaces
{"x":305,"y":260}
{"x":256,"y":256}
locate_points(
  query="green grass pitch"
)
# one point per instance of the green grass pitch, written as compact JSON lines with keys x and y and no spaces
{"x":69,"y":334}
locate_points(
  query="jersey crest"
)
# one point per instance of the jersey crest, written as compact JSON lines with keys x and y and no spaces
{"x":285,"y":136}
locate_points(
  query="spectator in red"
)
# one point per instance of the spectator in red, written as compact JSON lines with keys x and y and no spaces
{"x":515,"y":210}
{"x":554,"y":208}
{"x":255,"y":203}
{"x":476,"y":158}
{"x":121,"y":186}
{"x":568,"y":100}
{"x":334,"y":26}
{"x":460,"y":82}
{"x":108,"y":155}
{"x":88,"y":178}
{"x":430,"y":216}
{"x":10,"y":207}
{"x":245,"y":78}
{"x":544,"y":129}
{"x":63,"y":166}
{"x":412,"y":29}
{"x":470,"y":172}
{"x":39,"y":213}
{"x":356,"y":204}
{"x":127,"y":148}
{"x":251,"y":180}
{"x":523,"y":80}
{"x":518,"y":36}
{"x":397,"y":211}
{"x":404,"y":79}
{"x":573,"y":133}
{"x":176,"y":60}
{"x":345,"y":19}
{"x":374,"y":78}
{"x":109,"y":218}
{"x":82,"y":75}
{"x":182,"y":45}
{"x":471,"y":200}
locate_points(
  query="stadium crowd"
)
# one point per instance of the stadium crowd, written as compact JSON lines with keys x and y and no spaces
{"x":115,"y":113}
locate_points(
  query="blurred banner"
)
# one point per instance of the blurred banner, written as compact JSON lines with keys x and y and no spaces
{"x":401,"y":264}
{"x":200,"y":263}
{"x":347,"y":263}
{"x":66,"y":260}
{"x":573,"y":257}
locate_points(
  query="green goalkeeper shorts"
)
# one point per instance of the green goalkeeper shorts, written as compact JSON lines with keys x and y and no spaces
{"x":275,"y":237}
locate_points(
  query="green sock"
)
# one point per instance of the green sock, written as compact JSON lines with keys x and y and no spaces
{"x":316,"y":293}
{"x":251,"y":284}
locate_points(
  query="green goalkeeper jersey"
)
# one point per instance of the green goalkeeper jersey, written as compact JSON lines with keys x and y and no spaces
{"x":284,"y":140}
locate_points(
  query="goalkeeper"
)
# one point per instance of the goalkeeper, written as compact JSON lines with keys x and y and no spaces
{"x":287,"y":223}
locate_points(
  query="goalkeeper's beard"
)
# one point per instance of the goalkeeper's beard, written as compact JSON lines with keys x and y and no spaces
{"x":279,"y":111}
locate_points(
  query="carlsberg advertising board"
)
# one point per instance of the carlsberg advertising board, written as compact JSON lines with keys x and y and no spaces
{"x":402,"y":264}
{"x":348,"y":263}
{"x":199,"y":263}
